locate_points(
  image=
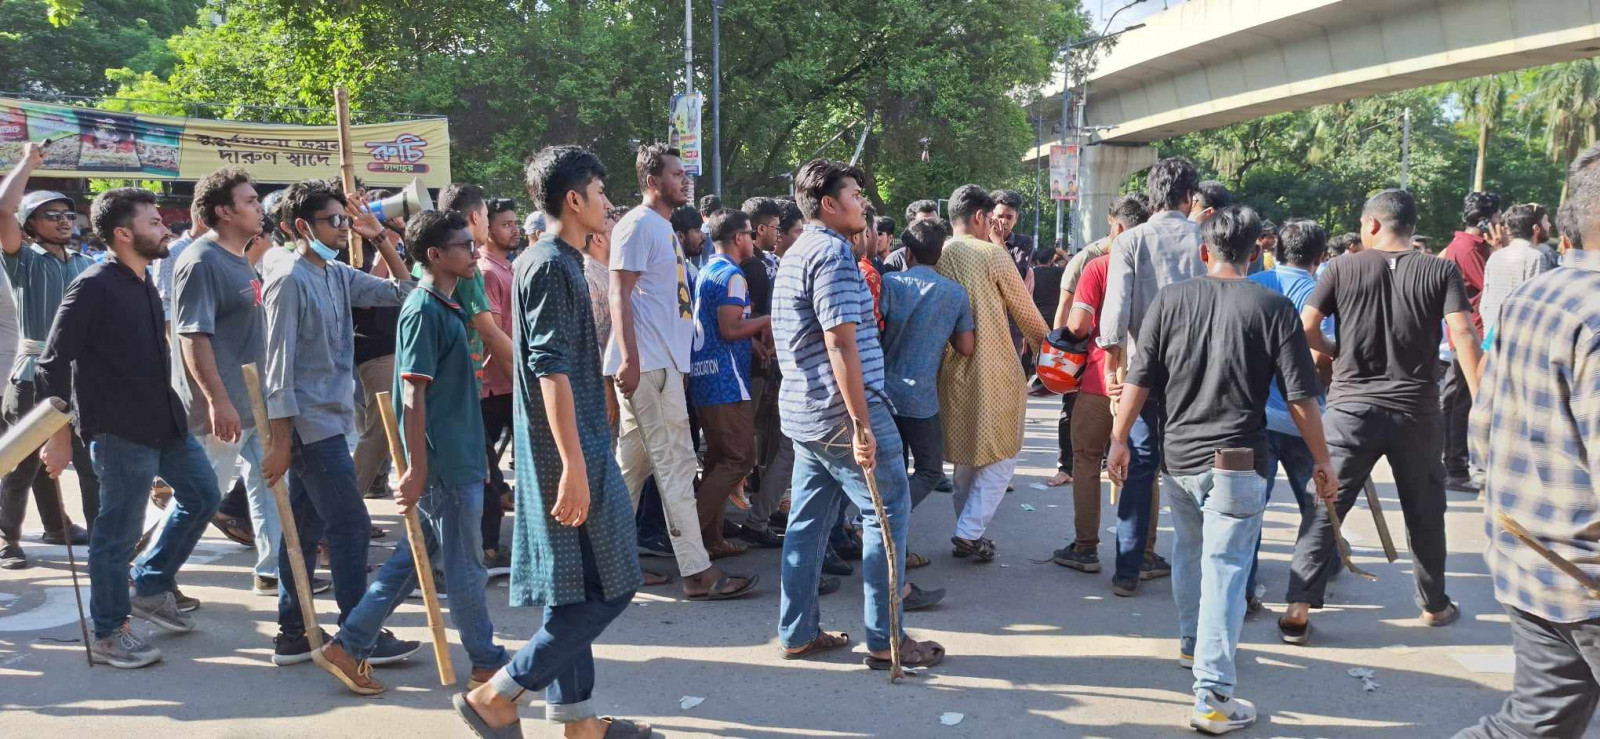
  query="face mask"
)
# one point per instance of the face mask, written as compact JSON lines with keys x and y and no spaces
{"x":327,"y":253}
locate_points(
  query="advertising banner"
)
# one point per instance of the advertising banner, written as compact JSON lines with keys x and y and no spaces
{"x":87,"y":142}
{"x":684,"y":129}
{"x":1064,"y":172}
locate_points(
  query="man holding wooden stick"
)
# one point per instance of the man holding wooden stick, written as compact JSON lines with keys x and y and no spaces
{"x":310,"y":401}
{"x":108,"y":358}
{"x":833,"y":405}
{"x":441,"y":429}
{"x":1535,"y":430}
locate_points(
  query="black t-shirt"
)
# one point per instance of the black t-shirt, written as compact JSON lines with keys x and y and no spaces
{"x":755,"y":276}
{"x":1212,"y":348}
{"x":1389,"y":306}
{"x":375,"y":328}
{"x":1047,"y":290}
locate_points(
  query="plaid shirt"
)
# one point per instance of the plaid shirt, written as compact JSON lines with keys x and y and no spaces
{"x":1536,"y":433}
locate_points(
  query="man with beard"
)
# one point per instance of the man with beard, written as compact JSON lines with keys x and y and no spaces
{"x":39,"y":272}
{"x":651,"y":334}
{"x":311,"y":401}
{"x":106,"y":356}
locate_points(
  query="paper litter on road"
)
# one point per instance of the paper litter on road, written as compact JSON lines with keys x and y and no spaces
{"x":1366,"y":674}
{"x":689,"y":701}
{"x":1502,"y":663}
{"x":1028,"y":508}
{"x":1051,"y":505}
{"x":1039,"y":486}
{"x":951,"y":718}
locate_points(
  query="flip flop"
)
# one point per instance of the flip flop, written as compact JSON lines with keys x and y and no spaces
{"x":621,"y":728}
{"x":716,"y":592}
{"x":824,"y":642}
{"x":481,"y":727}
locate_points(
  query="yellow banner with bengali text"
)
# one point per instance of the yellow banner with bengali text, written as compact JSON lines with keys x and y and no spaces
{"x":88,"y":142}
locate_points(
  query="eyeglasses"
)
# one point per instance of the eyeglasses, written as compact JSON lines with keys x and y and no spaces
{"x":59,"y":216}
{"x":337,"y":220}
{"x":469,"y":244}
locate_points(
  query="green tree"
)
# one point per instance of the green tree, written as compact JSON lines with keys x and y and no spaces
{"x":1567,"y":97}
{"x":1483,"y":102}
{"x":44,"y":58}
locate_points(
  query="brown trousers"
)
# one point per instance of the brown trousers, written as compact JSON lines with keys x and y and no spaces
{"x":1091,"y":434}
{"x":730,"y":436}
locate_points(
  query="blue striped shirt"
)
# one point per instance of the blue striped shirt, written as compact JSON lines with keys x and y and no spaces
{"x":820,"y":287}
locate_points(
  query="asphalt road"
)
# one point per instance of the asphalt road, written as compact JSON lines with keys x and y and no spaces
{"x":1034,"y":649}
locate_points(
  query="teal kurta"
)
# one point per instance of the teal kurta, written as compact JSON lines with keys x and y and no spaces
{"x":553,"y":334}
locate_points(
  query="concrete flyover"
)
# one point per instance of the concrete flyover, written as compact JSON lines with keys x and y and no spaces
{"x":1209,"y":63}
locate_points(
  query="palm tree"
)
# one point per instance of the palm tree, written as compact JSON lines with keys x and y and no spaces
{"x":1483,"y":100}
{"x":1569,"y":97}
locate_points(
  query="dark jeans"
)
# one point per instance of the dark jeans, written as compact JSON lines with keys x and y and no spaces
{"x":1455,"y":404}
{"x":20,"y":398}
{"x":1358,"y":434}
{"x":559,"y":659}
{"x":326,"y":503}
{"x":128,"y":468}
{"x":923,"y":439}
{"x":1133,"y":508}
{"x":1557,"y":685}
{"x":1291,"y":452}
{"x":649,"y":517}
{"x":1064,"y":433}
{"x":235,"y":502}
{"x":496,"y":421}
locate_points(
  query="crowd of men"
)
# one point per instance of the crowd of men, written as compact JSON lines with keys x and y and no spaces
{"x":810,"y":367}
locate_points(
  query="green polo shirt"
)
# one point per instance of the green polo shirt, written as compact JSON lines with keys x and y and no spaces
{"x":473,"y":299}
{"x":432,"y":343}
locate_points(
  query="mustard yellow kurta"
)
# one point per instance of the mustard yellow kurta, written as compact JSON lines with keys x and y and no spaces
{"x":982,"y":398}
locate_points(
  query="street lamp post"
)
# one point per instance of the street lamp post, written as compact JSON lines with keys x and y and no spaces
{"x":1078,"y":125}
{"x":717,"y":7}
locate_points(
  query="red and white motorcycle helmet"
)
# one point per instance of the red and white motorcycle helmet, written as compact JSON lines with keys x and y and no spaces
{"x":1061,"y":362}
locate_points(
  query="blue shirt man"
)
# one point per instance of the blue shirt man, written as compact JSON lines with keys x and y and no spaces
{"x":923,"y":311}
{"x":719,"y":369}
{"x":1296,"y":284}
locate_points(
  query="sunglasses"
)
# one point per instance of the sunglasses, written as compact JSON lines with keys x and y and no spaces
{"x":337,"y":220}
{"x":58,"y":216}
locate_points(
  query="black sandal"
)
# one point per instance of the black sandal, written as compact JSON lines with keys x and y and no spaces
{"x":621,"y":728}
{"x":981,"y":550}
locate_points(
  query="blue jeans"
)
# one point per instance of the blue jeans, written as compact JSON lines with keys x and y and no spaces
{"x":326,"y":503}
{"x":1133,"y":508}
{"x":826,"y":478}
{"x":1290,"y":451}
{"x":126,"y":469}
{"x":450,"y":518}
{"x":1216,"y":519}
{"x":559,"y":659}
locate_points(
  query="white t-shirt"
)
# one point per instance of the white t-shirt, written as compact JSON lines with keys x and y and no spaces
{"x":663,"y":325}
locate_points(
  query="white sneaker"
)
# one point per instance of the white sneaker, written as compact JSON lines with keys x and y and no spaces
{"x":1214,"y":716}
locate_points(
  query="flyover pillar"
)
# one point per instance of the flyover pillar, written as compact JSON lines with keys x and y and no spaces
{"x":1106,"y":168}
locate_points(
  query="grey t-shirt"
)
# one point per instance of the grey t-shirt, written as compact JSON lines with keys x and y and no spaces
{"x":216,"y":293}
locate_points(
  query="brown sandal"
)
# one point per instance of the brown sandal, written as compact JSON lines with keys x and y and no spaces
{"x":824,"y":642}
{"x":912,"y":654}
{"x":914,"y":560}
{"x":726,"y":549}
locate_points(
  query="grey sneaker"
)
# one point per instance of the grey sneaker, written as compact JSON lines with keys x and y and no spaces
{"x":1216,"y":715}
{"x":161,"y":610}
{"x":123,"y":649}
{"x":1082,"y":560}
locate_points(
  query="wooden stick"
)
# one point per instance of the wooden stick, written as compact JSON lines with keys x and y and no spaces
{"x":1510,"y":524}
{"x":419,"y":550}
{"x":1384,"y":536}
{"x":347,"y":167}
{"x":72,"y":566}
{"x":1122,"y":373}
{"x":895,"y":673}
{"x":1344,"y":546}
{"x":31,"y":432}
{"x":280,"y":495}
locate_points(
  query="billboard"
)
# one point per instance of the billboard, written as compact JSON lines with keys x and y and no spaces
{"x":1064,"y":172}
{"x":684,"y":129}
{"x":87,"y":142}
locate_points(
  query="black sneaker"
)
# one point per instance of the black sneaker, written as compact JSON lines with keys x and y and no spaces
{"x":1154,"y":566}
{"x":80,"y":536}
{"x":1462,"y":485}
{"x":657,"y":546}
{"x":497,"y":562}
{"x":1082,"y":560}
{"x":1125,"y":588}
{"x":827,"y":585}
{"x":763,"y":538}
{"x":12,"y":558}
{"x":945,"y":485}
{"x":293,"y":651}
{"x":390,"y":649}
{"x":833,"y":564}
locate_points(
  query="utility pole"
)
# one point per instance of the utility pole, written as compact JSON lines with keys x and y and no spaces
{"x":1405,"y":151}
{"x":1066,"y":99}
{"x":688,"y":46}
{"x":716,"y":95}
{"x":1038,"y":169}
